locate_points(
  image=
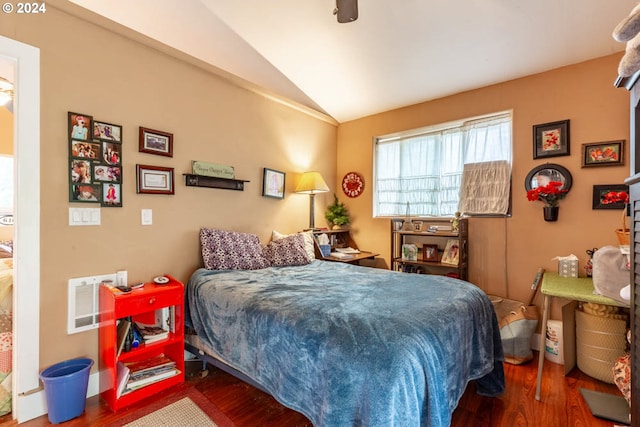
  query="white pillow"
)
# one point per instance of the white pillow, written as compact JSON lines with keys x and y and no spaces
{"x":309,"y":247}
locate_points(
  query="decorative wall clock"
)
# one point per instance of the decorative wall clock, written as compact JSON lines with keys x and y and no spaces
{"x":353,"y":184}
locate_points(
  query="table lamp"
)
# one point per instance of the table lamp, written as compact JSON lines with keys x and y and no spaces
{"x":311,"y":183}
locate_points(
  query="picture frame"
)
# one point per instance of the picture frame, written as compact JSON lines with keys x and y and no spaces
{"x":111,"y":153}
{"x":430,"y":252}
{"x":417,"y":225}
{"x":85,"y":193}
{"x":111,"y":195}
{"x":551,"y":139}
{"x":80,"y":171}
{"x":541,"y":175}
{"x":451,"y":252}
{"x":106,"y":173}
{"x":608,"y":153}
{"x":85,"y":149}
{"x":80,"y":126}
{"x":600,"y":190}
{"x":154,"y":180}
{"x":155,"y":142}
{"x":409,"y":252}
{"x":104,"y":131}
{"x":273,"y":183}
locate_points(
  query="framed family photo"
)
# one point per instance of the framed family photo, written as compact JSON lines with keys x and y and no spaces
{"x":551,"y":139}
{"x":155,"y":142}
{"x":429,"y":252}
{"x":609,"y":153}
{"x":154,"y":180}
{"x":85,"y":193}
{"x":79,"y":125}
{"x":107,"y":131}
{"x":273,"y":183}
{"x":111,"y":195}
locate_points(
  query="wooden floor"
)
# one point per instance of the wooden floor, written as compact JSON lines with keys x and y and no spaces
{"x":561,"y":405}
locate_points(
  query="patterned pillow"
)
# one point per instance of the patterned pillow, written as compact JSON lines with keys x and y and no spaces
{"x":289,"y":250}
{"x":231,"y":250}
{"x":308,"y":241}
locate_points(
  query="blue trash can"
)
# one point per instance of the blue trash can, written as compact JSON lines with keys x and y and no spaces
{"x":65,"y":387}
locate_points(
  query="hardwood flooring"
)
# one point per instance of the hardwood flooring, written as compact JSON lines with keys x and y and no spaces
{"x":561,"y":405}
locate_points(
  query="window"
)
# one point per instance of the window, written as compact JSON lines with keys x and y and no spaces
{"x":435,"y":171}
{"x":6,"y":185}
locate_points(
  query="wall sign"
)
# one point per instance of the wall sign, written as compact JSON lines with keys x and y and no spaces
{"x":353,"y":184}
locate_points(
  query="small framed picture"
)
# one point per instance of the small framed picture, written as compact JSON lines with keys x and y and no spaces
{"x":273,"y":183}
{"x":451,"y":252}
{"x":551,"y":139}
{"x":417,"y":225}
{"x":85,"y":193}
{"x":107,"y":131}
{"x":409,"y":252}
{"x":155,"y":142}
{"x":86,"y":150}
{"x":154,"y":180}
{"x":106,"y":173}
{"x":111,"y":153}
{"x":610,"y":196}
{"x":111,"y":195}
{"x":608,"y":153}
{"x":429,"y":252}
{"x":80,"y":171}
{"x":79,"y":125}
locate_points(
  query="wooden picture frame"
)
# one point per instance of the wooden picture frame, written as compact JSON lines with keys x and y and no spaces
{"x":551,"y":139}
{"x":154,"y":180}
{"x":273,"y":182}
{"x":451,"y":252}
{"x":600,"y":190}
{"x":417,"y":225}
{"x":608,"y":153}
{"x":155,"y":142}
{"x":104,"y":131}
{"x":430,"y":252}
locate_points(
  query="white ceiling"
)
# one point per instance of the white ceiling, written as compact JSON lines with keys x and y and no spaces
{"x":398,"y":52}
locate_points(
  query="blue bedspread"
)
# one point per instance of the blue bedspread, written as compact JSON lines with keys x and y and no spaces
{"x":348,"y":345}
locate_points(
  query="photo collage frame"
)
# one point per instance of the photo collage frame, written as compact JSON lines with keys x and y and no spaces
{"x":95,"y":161}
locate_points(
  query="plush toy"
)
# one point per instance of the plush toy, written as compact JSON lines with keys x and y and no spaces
{"x":628,"y":30}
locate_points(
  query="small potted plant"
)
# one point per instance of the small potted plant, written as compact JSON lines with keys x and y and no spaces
{"x":337,"y":214}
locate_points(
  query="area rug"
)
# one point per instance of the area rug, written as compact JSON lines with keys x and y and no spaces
{"x":185,"y":407}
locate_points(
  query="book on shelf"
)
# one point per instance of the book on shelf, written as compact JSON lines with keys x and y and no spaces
{"x":122,"y":334}
{"x":149,"y":364}
{"x":122,"y":377}
{"x":151,"y":333}
{"x":143,"y":381}
{"x":440,"y":229}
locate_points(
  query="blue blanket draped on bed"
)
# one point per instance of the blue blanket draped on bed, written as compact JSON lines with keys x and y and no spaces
{"x":348,"y":345}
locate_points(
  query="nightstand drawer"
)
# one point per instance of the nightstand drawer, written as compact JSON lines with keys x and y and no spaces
{"x":144,"y":303}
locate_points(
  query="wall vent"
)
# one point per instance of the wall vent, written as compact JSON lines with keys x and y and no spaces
{"x":84,"y":308}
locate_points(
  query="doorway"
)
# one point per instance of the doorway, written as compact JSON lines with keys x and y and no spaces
{"x":24,"y":62}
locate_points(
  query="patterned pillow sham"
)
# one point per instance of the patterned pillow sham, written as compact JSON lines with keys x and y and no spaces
{"x":231,"y":250}
{"x":309,"y":246}
{"x":287,"y":251}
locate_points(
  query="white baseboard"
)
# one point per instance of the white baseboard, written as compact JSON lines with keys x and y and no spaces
{"x":34,"y":405}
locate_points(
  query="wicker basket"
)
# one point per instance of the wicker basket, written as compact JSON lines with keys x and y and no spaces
{"x":623,"y":233}
{"x":600,"y":341}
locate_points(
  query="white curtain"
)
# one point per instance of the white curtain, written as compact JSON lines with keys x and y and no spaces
{"x":424,"y":169}
{"x":485,"y":188}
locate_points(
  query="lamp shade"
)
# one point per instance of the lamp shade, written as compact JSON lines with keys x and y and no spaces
{"x":312,"y":183}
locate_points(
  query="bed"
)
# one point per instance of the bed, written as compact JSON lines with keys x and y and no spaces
{"x":346,"y":345}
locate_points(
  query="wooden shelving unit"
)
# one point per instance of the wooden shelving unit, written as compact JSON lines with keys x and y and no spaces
{"x":420,"y":237}
{"x":141,"y":305}
{"x":192,"y":180}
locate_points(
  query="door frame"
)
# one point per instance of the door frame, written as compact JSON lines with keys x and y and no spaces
{"x":26,"y":289}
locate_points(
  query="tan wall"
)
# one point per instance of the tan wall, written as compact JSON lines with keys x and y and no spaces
{"x":87,"y":69}
{"x":505,"y":253}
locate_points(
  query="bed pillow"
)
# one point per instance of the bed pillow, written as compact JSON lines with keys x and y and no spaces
{"x":309,"y":247}
{"x":287,"y":251}
{"x":231,"y":250}
{"x":6,"y":248}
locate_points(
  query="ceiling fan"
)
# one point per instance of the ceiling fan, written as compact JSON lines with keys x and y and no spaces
{"x":346,"y":10}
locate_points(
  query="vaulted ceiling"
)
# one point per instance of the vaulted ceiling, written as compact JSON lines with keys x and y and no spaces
{"x":397,"y":53}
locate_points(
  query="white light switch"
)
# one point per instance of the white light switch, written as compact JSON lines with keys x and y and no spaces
{"x":147,"y":216}
{"x":84,"y":216}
